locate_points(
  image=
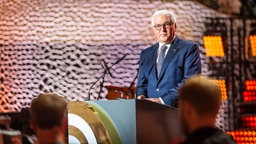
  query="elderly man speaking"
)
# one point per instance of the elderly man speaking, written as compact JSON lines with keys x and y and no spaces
{"x":167,"y":64}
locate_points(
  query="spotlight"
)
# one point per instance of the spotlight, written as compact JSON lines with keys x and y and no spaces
{"x":250,"y":85}
{"x":250,"y":44}
{"x":215,"y":38}
{"x":252,"y":39}
{"x":223,"y":89}
{"x":248,"y":122}
{"x":249,"y":94}
{"x":248,"y":107}
{"x":244,"y":136}
{"x":213,"y":45}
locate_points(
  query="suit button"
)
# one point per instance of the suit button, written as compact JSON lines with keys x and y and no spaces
{"x":157,"y":89}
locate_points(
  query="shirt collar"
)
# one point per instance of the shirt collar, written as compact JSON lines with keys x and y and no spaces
{"x":168,"y":45}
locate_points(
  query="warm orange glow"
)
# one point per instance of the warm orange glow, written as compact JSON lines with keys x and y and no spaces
{"x":253,"y":44}
{"x":249,"y":96}
{"x":223,"y":89}
{"x":222,"y":85}
{"x":213,"y":46}
{"x":244,"y":136}
{"x":250,"y":85}
{"x":250,"y":91}
{"x":249,"y":121}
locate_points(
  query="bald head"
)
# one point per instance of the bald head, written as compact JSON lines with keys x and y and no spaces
{"x":203,"y":94}
{"x":48,"y":110}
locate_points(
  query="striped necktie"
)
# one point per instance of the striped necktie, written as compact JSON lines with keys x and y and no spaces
{"x":161,"y":56}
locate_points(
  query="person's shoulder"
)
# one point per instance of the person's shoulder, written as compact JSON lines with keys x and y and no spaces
{"x":214,"y":139}
{"x":186,"y":42}
{"x":209,"y":135}
{"x":187,"y":45}
{"x":220,"y":138}
{"x":150,"y":48}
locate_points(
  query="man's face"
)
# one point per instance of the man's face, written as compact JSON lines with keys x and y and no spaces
{"x":165,"y":29}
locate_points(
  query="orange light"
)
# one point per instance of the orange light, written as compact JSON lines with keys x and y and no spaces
{"x":252,"y":39}
{"x":249,"y":121}
{"x":213,"y":46}
{"x":223,"y":89}
{"x":250,"y":85}
{"x":243,"y":136}
{"x":249,"y":96}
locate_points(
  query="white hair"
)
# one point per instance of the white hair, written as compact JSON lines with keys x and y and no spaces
{"x":167,"y":13}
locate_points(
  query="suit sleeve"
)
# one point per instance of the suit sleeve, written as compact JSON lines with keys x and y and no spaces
{"x":142,"y":80}
{"x":192,"y":66}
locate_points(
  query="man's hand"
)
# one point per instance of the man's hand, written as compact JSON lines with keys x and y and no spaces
{"x":157,"y":100}
{"x":141,"y":97}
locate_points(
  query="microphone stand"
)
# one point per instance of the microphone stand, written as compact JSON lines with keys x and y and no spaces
{"x":107,"y":70}
{"x":133,"y":83}
{"x":101,"y":86}
{"x":138,"y":70}
{"x":103,"y":75}
{"x":89,"y":91}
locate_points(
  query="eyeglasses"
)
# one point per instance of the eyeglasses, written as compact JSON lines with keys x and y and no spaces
{"x":166,"y":25}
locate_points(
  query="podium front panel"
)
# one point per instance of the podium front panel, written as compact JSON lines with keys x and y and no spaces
{"x":156,"y":123}
{"x":122,"y":122}
{"x":103,"y":121}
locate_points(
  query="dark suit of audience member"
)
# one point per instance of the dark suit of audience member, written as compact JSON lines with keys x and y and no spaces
{"x":167,"y":64}
{"x":199,"y":103}
{"x":49,"y":118}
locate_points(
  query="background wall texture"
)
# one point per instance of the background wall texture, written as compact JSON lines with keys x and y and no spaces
{"x":59,"y":46}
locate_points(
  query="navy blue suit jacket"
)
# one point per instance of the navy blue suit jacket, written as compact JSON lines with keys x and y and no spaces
{"x":181,"y":62}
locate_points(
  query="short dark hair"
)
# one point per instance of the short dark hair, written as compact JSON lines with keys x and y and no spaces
{"x":48,"y":110}
{"x":203,"y":94}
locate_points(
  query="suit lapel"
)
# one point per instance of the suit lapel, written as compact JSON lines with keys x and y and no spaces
{"x":150,"y":62}
{"x":154,"y":62}
{"x":171,"y":52}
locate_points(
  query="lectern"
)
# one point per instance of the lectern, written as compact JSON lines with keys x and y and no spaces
{"x":124,"y":121}
{"x":156,"y":123}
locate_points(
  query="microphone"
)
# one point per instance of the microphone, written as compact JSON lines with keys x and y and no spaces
{"x":107,"y":68}
{"x":104,"y":73}
{"x":133,"y":81}
{"x":119,"y":60}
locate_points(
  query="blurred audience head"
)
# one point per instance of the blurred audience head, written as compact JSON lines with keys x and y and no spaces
{"x":199,"y":103}
{"x":48,"y":117}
